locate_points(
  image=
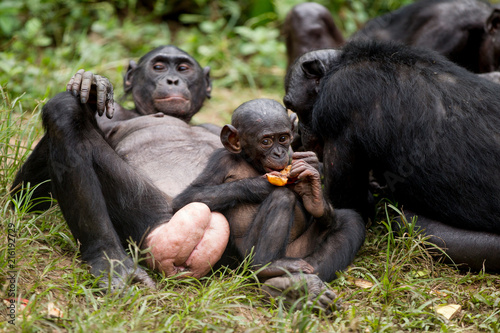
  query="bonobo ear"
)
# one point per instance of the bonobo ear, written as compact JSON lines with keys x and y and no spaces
{"x":230,"y":139}
{"x":493,"y":22}
{"x":127,"y":79}
{"x":295,"y":121}
{"x":313,"y":69}
{"x":208,"y":81}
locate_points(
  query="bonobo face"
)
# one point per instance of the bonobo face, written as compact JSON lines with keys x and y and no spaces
{"x":170,"y":81}
{"x":267,"y":146}
{"x":303,"y":79}
{"x":302,"y":86}
{"x":261,"y":131}
{"x":489,"y":52}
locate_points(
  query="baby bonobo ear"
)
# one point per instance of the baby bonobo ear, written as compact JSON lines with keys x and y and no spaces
{"x":230,"y":139}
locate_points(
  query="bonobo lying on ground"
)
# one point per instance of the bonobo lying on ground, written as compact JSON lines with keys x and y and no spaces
{"x":291,"y":227}
{"x":114,"y":179}
{"x":427,"y":128}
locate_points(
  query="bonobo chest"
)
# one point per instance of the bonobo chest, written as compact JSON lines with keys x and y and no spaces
{"x":165,"y":149}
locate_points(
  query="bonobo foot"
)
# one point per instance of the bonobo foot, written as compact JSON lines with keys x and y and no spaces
{"x":303,"y":289}
{"x":116,"y":274}
{"x":284,"y":266}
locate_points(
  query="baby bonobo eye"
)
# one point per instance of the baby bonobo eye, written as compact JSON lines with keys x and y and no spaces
{"x":266,"y":142}
{"x":283,"y":139}
{"x":158,"y":66}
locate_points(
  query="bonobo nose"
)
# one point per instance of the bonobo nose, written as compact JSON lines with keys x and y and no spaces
{"x":280,"y":153}
{"x":173,"y":81}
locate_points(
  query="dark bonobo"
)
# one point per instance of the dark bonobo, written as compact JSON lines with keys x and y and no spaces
{"x":114,"y":177}
{"x":292,"y":227}
{"x":425,"y":126}
{"x":465,"y":31}
{"x":309,"y":26}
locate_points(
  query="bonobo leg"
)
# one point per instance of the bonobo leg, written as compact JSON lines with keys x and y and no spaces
{"x":328,"y":249}
{"x":467,"y":248}
{"x":269,"y":235}
{"x":34,"y":171}
{"x":104,"y":201}
{"x":335,"y":245}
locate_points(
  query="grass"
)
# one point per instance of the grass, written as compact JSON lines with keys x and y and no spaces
{"x":393,"y":285}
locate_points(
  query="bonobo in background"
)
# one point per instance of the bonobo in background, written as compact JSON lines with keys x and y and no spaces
{"x":465,"y":31}
{"x":309,"y":26}
{"x":427,"y":127}
{"x":292,"y":228}
{"x":114,"y":178}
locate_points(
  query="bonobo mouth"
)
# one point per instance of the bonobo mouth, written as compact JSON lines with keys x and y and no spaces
{"x":175,"y":99}
{"x":278,"y":169}
{"x":172,"y":105}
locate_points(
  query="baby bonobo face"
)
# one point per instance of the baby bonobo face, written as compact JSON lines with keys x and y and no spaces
{"x":264,"y":132}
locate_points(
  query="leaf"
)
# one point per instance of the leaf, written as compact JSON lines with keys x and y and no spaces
{"x":448,"y":311}
{"x":363,"y":283}
{"x":53,"y":312}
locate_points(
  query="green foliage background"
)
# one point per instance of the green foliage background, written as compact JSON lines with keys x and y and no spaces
{"x":43,"y":42}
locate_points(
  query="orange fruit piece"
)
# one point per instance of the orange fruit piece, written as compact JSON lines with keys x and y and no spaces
{"x":280,"y":179}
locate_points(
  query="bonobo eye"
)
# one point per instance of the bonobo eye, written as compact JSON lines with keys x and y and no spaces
{"x":266,"y":142}
{"x":158,"y":66}
{"x":182,"y":67}
{"x":283,"y":139}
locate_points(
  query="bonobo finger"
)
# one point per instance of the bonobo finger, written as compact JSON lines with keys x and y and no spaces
{"x":86,"y":85}
{"x":69,"y":85}
{"x":307,"y":156}
{"x":101,"y":94}
{"x":110,"y":103}
{"x":76,"y":82}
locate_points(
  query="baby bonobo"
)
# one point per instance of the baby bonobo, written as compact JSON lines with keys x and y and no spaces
{"x":286,"y":226}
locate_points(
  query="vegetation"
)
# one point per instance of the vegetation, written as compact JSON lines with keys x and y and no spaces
{"x":393,"y":285}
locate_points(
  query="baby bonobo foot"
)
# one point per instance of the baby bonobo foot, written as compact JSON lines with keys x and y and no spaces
{"x":116,"y":274}
{"x":302,"y":290}
{"x":285,"y":266}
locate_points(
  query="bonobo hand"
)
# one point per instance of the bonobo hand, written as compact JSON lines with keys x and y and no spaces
{"x":94,"y":89}
{"x":308,"y":185}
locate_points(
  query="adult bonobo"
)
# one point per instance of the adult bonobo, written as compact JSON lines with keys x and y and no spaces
{"x":291,"y":227}
{"x":426,"y":126}
{"x":114,"y":178}
{"x":309,"y":26}
{"x":465,"y":31}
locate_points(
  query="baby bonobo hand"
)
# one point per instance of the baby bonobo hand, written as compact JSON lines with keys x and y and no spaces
{"x":307,"y":182}
{"x":93,"y":89}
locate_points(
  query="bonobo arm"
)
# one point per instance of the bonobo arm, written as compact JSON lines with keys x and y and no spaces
{"x":35,"y":171}
{"x":210,"y":187}
{"x":95,"y":90}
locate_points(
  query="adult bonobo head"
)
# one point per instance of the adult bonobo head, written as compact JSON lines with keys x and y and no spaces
{"x":309,"y":26}
{"x":168,"y":80}
{"x":489,"y":51}
{"x":261,"y":131}
{"x":302,"y":86}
